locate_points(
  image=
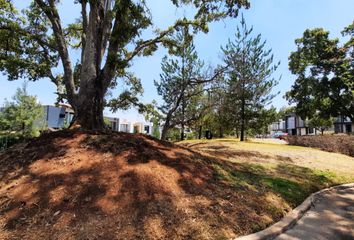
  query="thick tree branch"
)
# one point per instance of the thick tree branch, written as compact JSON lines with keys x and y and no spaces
{"x":84,"y":24}
{"x":107,"y":25}
{"x":53,"y":16}
{"x":144,"y":44}
{"x":159,"y":39}
{"x":196,"y":81}
{"x":112,"y":62}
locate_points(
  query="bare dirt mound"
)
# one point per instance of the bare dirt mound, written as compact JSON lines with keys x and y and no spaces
{"x":85,"y":185}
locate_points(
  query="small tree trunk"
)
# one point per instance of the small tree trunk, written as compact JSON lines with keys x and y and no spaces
{"x":242,"y":138}
{"x":200,"y":132}
{"x":165,"y":127}
{"x":221,"y":135}
{"x":182,"y":132}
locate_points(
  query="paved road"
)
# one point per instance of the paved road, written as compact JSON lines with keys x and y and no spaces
{"x":331,"y":217}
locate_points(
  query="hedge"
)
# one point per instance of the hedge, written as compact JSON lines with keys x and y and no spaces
{"x":332,"y":143}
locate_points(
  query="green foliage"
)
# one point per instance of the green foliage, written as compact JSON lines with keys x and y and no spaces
{"x":174,"y":134}
{"x":218,"y":117}
{"x":259,"y":125}
{"x":249,"y":80}
{"x":107,"y":123}
{"x":320,"y":123}
{"x":285,"y":111}
{"x":156,"y":128}
{"x":34,"y":40}
{"x":23,"y":116}
{"x":294,"y":184}
{"x":27,"y":50}
{"x":179,"y":84}
{"x":109,"y":35}
{"x":325,"y":73}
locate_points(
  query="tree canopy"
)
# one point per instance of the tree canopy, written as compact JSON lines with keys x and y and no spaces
{"x":109,"y":35}
{"x":325,"y":75}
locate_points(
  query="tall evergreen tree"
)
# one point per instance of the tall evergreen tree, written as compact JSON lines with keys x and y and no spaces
{"x":178,"y":85}
{"x":24,"y":115}
{"x":108,"y":33}
{"x":249,"y":77}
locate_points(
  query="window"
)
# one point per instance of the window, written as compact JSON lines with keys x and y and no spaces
{"x":124,"y":128}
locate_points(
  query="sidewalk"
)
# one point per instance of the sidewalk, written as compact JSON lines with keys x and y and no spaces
{"x":330,"y":217}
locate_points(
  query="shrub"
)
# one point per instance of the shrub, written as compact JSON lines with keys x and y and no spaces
{"x":331,"y":143}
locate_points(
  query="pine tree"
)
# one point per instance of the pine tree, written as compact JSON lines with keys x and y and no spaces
{"x":249,"y":77}
{"x":179,"y":84}
{"x":24,"y":115}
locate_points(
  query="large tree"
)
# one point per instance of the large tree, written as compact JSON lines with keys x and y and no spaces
{"x":178,"y":85}
{"x":249,"y":77}
{"x":109,"y":35}
{"x":325,"y":75}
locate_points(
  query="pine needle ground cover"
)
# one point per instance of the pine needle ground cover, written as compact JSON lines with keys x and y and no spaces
{"x":95,"y":185}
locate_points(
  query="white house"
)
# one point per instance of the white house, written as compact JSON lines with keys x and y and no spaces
{"x":294,"y":125}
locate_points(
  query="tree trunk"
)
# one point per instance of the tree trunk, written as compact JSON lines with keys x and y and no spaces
{"x":242,"y":137}
{"x":166,"y":126}
{"x":164,"y":132}
{"x":90,"y":106}
{"x":182,"y":132}
{"x":221,"y":135}
{"x":200,"y":132}
{"x":90,"y":114}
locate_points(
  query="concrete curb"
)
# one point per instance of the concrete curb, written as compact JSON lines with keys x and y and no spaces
{"x":291,"y":218}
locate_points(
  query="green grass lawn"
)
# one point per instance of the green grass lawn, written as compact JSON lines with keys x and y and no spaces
{"x":291,"y":172}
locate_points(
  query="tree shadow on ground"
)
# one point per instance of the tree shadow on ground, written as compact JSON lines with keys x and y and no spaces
{"x":226,"y":152}
{"x":119,"y":186}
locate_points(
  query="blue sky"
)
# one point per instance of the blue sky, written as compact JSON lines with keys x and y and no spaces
{"x":279,"y":21}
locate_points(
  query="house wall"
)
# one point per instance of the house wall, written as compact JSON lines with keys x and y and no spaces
{"x":301,"y":131}
{"x":138,"y":127}
{"x":294,"y":125}
{"x":113,"y":123}
{"x":148,"y":129}
{"x":125,"y":127}
{"x":54,"y":116}
{"x":343,"y":125}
